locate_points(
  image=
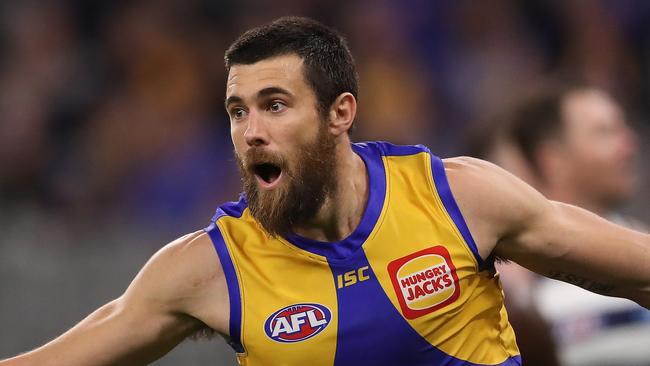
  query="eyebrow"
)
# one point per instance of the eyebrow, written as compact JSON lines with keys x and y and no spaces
{"x":273,"y":90}
{"x":260,"y":94}
{"x":233,"y":99}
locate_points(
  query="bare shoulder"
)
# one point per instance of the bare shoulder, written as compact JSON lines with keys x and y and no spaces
{"x":188,"y":257}
{"x":493,"y":201}
{"x":185,"y":276}
{"x":467,"y":175}
{"x":184,"y":261}
{"x":482,"y":188}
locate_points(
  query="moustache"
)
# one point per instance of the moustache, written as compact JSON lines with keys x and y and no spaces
{"x":256,"y":156}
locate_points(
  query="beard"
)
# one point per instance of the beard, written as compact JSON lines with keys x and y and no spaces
{"x":307,"y":184}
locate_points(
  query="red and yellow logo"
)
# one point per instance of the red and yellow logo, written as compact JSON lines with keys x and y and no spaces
{"x":424,"y":281}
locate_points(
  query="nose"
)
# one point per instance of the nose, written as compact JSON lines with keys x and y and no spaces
{"x":255,"y":134}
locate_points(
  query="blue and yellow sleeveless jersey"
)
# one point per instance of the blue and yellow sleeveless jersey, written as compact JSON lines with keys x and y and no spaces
{"x":407,"y":287}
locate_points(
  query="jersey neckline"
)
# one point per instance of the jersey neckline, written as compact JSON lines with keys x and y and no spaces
{"x":344,"y":248}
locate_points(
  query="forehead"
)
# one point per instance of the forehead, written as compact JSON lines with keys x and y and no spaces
{"x":591,"y":109}
{"x":285,"y":71}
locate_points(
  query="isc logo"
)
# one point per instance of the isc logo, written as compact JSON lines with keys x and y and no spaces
{"x":352,"y":277}
{"x":297,"y":322}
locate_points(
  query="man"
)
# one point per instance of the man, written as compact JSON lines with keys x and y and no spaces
{"x":341,"y":253}
{"x":569,"y":136}
{"x":575,"y":146}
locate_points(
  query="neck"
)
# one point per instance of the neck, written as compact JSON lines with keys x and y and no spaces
{"x":342,"y":210}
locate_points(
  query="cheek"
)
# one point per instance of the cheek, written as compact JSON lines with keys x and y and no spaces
{"x":605,"y":153}
{"x":238,"y":140}
{"x":594,"y":151}
{"x":307,"y":136}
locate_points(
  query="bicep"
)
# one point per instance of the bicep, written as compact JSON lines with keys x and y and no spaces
{"x":573,"y":245}
{"x":511,"y":220}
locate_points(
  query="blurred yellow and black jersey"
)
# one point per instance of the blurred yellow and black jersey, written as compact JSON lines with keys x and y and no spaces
{"x":407,"y":287}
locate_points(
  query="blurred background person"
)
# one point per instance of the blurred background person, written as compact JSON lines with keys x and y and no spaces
{"x":491,"y":140}
{"x":573,"y":143}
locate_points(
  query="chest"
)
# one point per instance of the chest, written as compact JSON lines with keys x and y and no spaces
{"x":402,"y":284}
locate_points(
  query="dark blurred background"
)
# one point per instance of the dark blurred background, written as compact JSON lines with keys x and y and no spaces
{"x":114,"y":141}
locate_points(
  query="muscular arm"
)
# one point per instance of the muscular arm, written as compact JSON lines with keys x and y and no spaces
{"x":513,"y":221}
{"x":167,"y":301}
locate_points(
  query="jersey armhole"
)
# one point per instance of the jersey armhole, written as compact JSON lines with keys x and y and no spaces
{"x":448,"y":200}
{"x":234,"y":294}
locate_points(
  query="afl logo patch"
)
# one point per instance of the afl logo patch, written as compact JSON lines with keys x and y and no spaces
{"x":297,"y":322}
{"x":424,"y":281}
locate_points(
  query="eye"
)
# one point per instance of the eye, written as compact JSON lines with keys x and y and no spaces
{"x":237,"y":113}
{"x":277,"y":106}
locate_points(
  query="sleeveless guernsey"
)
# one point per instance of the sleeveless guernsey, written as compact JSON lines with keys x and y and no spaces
{"x":407,"y":287}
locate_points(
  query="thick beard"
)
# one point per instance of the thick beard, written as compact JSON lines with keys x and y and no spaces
{"x":307,"y":185}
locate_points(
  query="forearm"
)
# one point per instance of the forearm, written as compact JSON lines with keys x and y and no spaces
{"x":156,"y":312}
{"x":620,"y":269}
{"x":16,"y":361}
{"x":642,"y":296}
{"x":109,"y":336}
{"x":575,"y":246}
{"x":74,"y":347}
{"x":639,"y":294}
{"x":50,"y":352}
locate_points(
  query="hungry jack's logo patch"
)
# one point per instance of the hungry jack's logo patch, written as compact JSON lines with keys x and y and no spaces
{"x":424,"y":281}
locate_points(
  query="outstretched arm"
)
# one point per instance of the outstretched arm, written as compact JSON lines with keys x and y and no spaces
{"x":165,"y":303}
{"x":513,"y":221}
{"x":570,"y":244}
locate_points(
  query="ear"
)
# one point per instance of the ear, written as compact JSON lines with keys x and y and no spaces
{"x":342,"y":113}
{"x":552,"y":159}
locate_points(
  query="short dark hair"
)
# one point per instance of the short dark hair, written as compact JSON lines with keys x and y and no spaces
{"x":538,"y":118}
{"x":329,"y":66}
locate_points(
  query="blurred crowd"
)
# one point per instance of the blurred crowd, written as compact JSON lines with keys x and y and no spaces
{"x":115,"y":107}
{"x":112,"y":111}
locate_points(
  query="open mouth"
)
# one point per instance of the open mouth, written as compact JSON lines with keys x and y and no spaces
{"x":267,"y":174}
